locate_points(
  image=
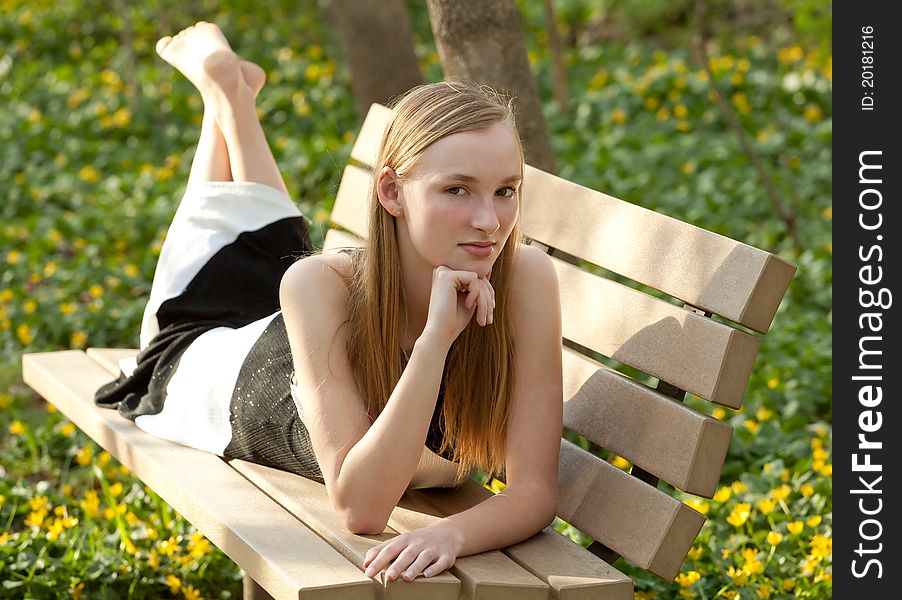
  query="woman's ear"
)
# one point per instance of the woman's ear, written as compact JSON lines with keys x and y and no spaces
{"x":388,"y":189}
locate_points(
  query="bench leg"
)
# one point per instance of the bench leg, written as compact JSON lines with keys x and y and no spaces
{"x":253,"y":591}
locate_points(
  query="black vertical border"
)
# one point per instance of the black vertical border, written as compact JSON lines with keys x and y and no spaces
{"x":856,"y":131}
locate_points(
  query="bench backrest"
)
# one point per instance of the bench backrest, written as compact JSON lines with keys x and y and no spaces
{"x":648,"y":308}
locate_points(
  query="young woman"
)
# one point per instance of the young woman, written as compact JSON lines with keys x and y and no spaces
{"x":434,"y":351}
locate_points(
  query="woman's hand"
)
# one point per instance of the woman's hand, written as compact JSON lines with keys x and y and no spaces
{"x":430,"y":551}
{"x":455,"y":298}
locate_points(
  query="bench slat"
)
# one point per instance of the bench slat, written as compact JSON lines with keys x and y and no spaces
{"x":339,"y":239}
{"x":571,"y":571}
{"x":351,"y":207}
{"x":692,"y":352}
{"x":705,"y":269}
{"x":647,"y":526}
{"x":243,"y":523}
{"x":470,"y":577}
{"x":666,"y":438}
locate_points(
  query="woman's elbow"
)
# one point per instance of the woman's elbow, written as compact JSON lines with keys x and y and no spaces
{"x":360,"y":523}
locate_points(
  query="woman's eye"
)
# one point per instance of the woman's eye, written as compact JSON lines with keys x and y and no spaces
{"x":507,"y":192}
{"x":456,"y":191}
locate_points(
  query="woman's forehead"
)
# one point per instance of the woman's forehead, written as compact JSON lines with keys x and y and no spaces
{"x":490,"y":154}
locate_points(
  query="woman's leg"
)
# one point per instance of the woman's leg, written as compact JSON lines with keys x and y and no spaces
{"x":232,"y":145}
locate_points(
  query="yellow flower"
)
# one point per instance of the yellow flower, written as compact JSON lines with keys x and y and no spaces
{"x":740,"y":514}
{"x":131,"y":518}
{"x":85,"y":455}
{"x":766,"y":506}
{"x":795,"y":528}
{"x":788,"y":584}
{"x":752,"y":425}
{"x":789,"y":55}
{"x":598,"y":80}
{"x":96,"y":291}
{"x":820,"y":454}
{"x":620,"y":462}
{"x":116,"y":490}
{"x":699,"y":505}
{"x":663,"y":113}
{"x":191,"y":593}
{"x":723,"y":494}
{"x":70,"y":522}
{"x":813,"y":521}
{"x":3,"y":538}
{"x":89,"y":174}
{"x":122,"y":117}
{"x":29,"y":307}
{"x":687,"y":579}
{"x":152,"y":533}
{"x":67,"y":308}
{"x":618,"y":116}
{"x":774,"y":538}
{"x":39,"y":503}
{"x":741,"y":102}
{"x":807,"y":490}
{"x":680,"y":111}
{"x":695,"y":552}
{"x":813,"y":113}
{"x":687,"y":168}
{"x":764,"y":591}
{"x":78,"y":339}
{"x":153,"y":560}
{"x":651,"y":103}
{"x":731,"y":594}
{"x":821,"y":546}
{"x":168,"y":547}
{"x":23,"y":332}
{"x":131,"y":270}
{"x":782,"y":492}
{"x":763,"y":414}
{"x":54,"y":530}
{"x":129,"y":546}
{"x":35,"y":518}
{"x":174,"y":583}
{"x":827,"y":471}
{"x":738,"y":576}
{"x":683,"y":126}
{"x":199,"y":546}
{"x":91,"y":504}
{"x":17,"y":427}
{"x":68,"y":429}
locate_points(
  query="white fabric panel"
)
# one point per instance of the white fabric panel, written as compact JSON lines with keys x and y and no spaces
{"x":196,"y":411}
{"x":210,"y":216}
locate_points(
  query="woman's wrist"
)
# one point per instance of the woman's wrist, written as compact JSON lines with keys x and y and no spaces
{"x":432,"y":346}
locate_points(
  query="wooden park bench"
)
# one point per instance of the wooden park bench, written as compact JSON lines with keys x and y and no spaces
{"x":281,"y":528}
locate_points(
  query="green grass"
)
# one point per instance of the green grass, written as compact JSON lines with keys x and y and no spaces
{"x":94,"y":154}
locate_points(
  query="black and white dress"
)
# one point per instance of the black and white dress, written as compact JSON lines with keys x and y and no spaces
{"x":215,"y":370}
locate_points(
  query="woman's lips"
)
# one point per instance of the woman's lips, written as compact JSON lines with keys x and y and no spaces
{"x":479,"y":250}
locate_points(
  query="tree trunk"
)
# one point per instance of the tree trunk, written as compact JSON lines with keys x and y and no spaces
{"x":375,"y":36}
{"x":483,"y":41}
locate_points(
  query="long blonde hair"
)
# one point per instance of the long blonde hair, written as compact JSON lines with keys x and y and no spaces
{"x":479,"y":373}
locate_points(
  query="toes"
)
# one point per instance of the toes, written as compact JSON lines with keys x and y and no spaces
{"x":163,"y":43}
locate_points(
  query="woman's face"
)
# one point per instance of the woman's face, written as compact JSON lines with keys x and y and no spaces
{"x":460,"y":202}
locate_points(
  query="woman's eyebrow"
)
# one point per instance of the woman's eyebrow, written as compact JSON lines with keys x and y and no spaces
{"x":469,"y":178}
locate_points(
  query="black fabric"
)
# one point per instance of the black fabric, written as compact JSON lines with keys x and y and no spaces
{"x":266,"y":426}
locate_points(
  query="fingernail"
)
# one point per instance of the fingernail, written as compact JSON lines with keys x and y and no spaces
{"x":369,"y":572}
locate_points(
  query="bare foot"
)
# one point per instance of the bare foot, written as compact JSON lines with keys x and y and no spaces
{"x":203,"y":55}
{"x":254,"y":75}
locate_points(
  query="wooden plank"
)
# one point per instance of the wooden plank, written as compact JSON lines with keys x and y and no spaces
{"x":647,"y":526}
{"x":351,"y":208}
{"x":666,"y":438}
{"x":702,"y":268}
{"x":244,"y":523}
{"x":366,"y":147}
{"x":339,"y":239}
{"x":687,"y":350}
{"x":571,"y":571}
{"x":108,"y":358}
{"x":309,"y":501}
{"x":487,"y":575}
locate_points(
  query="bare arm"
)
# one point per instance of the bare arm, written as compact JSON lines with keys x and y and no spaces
{"x":366,"y":466}
{"x":529,"y":501}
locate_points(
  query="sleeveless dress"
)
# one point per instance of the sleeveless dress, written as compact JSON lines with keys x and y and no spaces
{"x":215,"y":371}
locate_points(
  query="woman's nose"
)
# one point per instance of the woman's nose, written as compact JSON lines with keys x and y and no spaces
{"x":485,"y":218}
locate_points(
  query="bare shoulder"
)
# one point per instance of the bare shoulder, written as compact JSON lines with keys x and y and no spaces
{"x":533,"y":274}
{"x":317,"y":276}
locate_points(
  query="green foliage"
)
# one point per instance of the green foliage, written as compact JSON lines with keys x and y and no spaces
{"x":96,"y":138}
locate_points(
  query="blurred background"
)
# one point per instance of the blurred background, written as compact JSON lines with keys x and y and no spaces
{"x":715,"y":112}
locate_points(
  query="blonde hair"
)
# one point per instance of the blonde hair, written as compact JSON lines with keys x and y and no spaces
{"x":479,"y":373}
